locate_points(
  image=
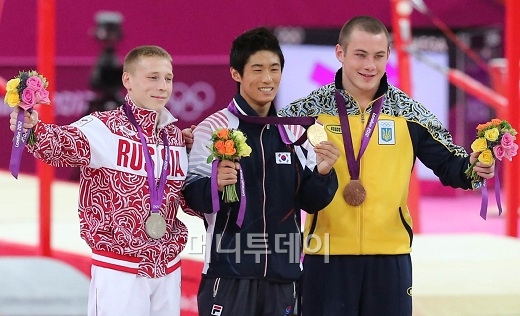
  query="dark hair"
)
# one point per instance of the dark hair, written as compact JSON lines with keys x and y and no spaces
{"x":365,"y":23}
{"x":249,"y":43}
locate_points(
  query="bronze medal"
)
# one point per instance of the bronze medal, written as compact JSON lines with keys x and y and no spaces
{"x":354,"y":193}
{"x":155,"y":226}
{"x":316,"y":134}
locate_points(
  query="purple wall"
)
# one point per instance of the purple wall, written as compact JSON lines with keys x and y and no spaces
{"x":206,"y":27}
{"x":197,"y":33}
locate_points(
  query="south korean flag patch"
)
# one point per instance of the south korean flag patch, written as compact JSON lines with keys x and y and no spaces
{"x":283,"y":158}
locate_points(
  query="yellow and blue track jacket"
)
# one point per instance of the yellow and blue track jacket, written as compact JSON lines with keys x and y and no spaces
{"x":406,"y":130}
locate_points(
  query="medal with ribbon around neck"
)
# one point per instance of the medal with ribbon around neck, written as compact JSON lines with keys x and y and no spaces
{"x":354,"y":193}
{"x":155,"y":224}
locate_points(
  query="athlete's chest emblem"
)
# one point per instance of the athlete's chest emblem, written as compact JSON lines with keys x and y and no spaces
{"x":386,"y":132}
{"x":283,"y":158}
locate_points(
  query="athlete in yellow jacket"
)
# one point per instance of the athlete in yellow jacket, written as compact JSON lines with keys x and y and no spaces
{"x":357,"y":258}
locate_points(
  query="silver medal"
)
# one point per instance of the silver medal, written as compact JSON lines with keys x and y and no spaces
{"x":155,"y":226}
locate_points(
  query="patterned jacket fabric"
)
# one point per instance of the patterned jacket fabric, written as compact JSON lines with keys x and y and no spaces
{"x":406,"y":130}
{"x":114,"y":197}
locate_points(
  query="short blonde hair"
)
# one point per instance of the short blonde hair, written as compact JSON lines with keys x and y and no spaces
{"x":143,"y":51}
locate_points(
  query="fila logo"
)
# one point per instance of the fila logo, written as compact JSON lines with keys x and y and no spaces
{"x":283,"y":158}
{"x":386,"y":131}
{"x":216,"y":310}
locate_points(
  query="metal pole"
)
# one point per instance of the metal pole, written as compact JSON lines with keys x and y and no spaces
{"x":46,"y":43}
{"x":513,"y":56}
{"x":402,"y":33}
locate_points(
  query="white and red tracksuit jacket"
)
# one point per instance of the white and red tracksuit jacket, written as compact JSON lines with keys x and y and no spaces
{"x":114,"y":197}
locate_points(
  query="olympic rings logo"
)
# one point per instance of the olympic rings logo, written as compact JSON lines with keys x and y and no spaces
{"x":189,"y":102}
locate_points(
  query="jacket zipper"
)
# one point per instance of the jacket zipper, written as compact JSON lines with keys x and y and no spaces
{"x":300,"y":239}
{"x":263,"y":203}
{"x":361,"y":215}
{"x":361,"y":206}
{"x":215,"y":287}
{"x":219,"y":244}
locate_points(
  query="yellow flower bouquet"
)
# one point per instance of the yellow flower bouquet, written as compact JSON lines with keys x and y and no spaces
{"x":228,"y":144}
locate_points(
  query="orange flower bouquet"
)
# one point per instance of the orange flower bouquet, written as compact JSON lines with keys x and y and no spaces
{"x":228,"y":144}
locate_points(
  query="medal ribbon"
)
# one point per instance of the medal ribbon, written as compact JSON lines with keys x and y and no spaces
{"x":279,"y":121}
{"x":156,"y":189}
{"x":353,"y":164}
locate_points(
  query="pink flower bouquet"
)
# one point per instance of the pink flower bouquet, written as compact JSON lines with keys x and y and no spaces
{"x":495,"y":140}
{"x":26,"y":90}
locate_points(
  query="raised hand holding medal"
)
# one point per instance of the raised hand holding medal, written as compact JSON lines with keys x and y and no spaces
{"x":316,"y":134}
{"x":354,"y":193}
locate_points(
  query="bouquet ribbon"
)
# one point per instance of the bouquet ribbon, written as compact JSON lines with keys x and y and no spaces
{"x":18,"y":144}
{"x":214,"y":194}
{"x":484,"y":191}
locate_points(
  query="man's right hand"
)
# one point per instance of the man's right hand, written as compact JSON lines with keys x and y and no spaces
{"x":30,"y":119}
{"x":226,"y":173}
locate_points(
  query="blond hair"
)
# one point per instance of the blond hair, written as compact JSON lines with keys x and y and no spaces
{"x":143,"y":51}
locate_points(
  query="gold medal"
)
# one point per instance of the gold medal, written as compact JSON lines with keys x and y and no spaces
{"x":155,"y":226}
{"x":354,"y":193}
{"x":316,"y":134}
